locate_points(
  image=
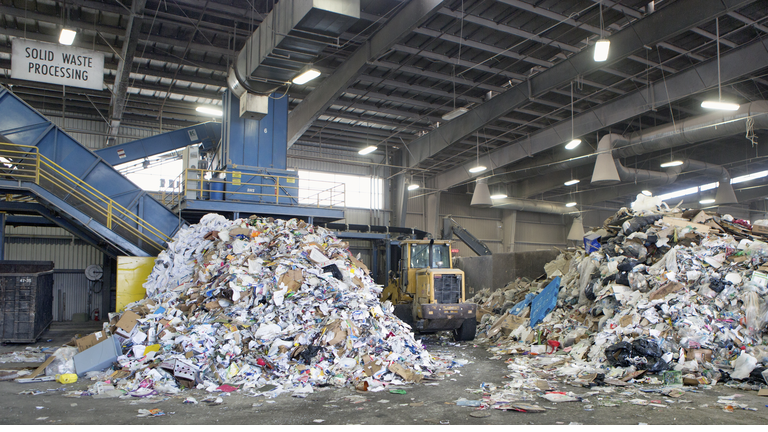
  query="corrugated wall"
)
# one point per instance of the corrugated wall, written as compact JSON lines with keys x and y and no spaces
{"x":49,"y":244}
{"x":71,"y":294}
{"x":540,"y":231}
{"x":93,"y":133}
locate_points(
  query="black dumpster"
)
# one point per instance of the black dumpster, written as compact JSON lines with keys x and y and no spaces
{"x":26,"y":300}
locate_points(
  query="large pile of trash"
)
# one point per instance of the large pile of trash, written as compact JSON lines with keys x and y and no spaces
{"x":267,"y":306}
{"x":664,"y":291}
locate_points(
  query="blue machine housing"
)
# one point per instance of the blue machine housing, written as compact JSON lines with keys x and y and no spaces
{"x":257,"y":148}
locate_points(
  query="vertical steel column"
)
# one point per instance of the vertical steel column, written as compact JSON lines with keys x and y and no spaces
{"x":2,"y":235}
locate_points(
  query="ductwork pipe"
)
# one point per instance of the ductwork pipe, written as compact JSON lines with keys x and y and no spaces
{"x":693,"y":130}
{"x":532,"y":206}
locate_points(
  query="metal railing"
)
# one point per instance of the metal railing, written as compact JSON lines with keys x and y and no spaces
{"x":250,"y":187}
{"x":25,"y":164}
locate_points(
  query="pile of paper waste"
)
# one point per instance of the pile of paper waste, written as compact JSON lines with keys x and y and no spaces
{"x":678,"y":294}
{"x":266,"y":306}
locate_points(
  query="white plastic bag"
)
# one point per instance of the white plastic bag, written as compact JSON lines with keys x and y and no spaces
{"x":744,"y":366}
{"x":64,"y":363}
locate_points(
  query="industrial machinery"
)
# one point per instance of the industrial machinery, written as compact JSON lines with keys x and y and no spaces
{"x":428,"y":293}
{"x":451,"y":227}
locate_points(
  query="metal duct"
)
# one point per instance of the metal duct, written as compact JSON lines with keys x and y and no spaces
{"x":532,"y":206}
{"x":289,"y":39}
{"x":696,"y":129}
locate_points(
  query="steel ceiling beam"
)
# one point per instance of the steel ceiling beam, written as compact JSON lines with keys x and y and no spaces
{"x":120,"y":88}
{"x":678,"y":17}
{"x":734,"y":64}
{"x":400,"y":25}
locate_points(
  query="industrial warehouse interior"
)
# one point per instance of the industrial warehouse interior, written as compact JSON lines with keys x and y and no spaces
{"x":384,"y":212}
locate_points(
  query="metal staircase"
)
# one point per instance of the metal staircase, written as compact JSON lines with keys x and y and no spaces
{"x":45,"y":171}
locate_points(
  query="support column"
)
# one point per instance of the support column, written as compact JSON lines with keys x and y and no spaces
{"x":2,"y":235}
{"x":509,"y":223}
{"x":432,"y":213}
{"x":400,"y":194}
{"x":107,"y":277}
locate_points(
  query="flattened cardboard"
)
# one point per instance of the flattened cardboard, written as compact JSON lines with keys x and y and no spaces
{"x":357,"y":263}
{"x":406,"y":374}
{"x":665,"y":290}
{"x":92,"y":339}
{"x":126,"y":324}
{"x":98,"y":357}
{"x":370,"y":367}
{"x":292,"y":279}
{"x":40,"y":369}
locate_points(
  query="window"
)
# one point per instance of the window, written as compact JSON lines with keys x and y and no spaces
{"x":359,"y":191}
{"x":420,"y":256}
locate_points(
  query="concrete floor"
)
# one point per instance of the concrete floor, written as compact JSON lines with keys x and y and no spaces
{"x":421,"y":405}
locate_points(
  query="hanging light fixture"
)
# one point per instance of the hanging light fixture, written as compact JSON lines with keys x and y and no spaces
{"x":482,"y":196}
{"x":499,"y":191}
{"x":67,"y":35}
{"x":602,"y":45}
{"x":306,"y":76}
{"x":367,"y":150}
{"x":478,"y":168}
{"x":719,"y":104}
{"x":647,"y":193}
{"x":707,"y":201}
{"x":672,"y":163}
{"x":412,"y":185}
{"x":572,"y":182}
{"x":577,"y":230}
{"x":574,"y":142}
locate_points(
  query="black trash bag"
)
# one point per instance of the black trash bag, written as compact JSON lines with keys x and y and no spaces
{"x":308,"y":353}
{"x":628,"y":265}
{"x":651,"y":240}
{"x":756,"y":376}
{"x":652,"y":353}
{"x":622,"y":279}
{"x":618,"y":355}
{"x":332,"y":269}
{"x":716,"y":285}
{"x":589,"y":290}
{"x":635,"y":250}
{"x":638,"y":223}
{"x":644,"y":354}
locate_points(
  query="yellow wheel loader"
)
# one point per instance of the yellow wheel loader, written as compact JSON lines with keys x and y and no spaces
{"x":427,"y":292}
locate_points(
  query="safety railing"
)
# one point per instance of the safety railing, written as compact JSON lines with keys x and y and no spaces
{"x":25,"y":164}
{"x":197,"y":184}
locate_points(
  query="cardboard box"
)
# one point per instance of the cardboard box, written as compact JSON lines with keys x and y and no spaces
{"x":98,"y":357}
{"x":92,"y":339}
{"x":127,"y":324}
{"x":591,"y":243}
{"x":760,"y":229}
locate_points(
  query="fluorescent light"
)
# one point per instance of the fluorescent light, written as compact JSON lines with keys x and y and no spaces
{"x":477,"y":169}
{"x":209,"y":110}
{"x":718,"y":105}
{"x":413,"y":186}
{"x":571,"y":182}
{"x":678,"y":194}
{"x":306,"y":76}
{"x":672,"y":164}
{"x":573,"y":144}
{"x":455,"y":113}
{"x":646,"y":193}
{"x":707,"y":201}
{"x":748,"y":177}
{"x":709,"y":186}
{"x":571,"y":204}
{"x":601,"y":50}
{"x":369,"y":149}
{"x":499,"y":196}
{"x":67,"y":36}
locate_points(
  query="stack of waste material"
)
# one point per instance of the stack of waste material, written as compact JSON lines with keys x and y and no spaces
{"x":496,"y":302}
{"x":666,"y":291}
{"x":267,"y":306}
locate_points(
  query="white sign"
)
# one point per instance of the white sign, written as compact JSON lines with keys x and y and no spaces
{"x":57,"y":64}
